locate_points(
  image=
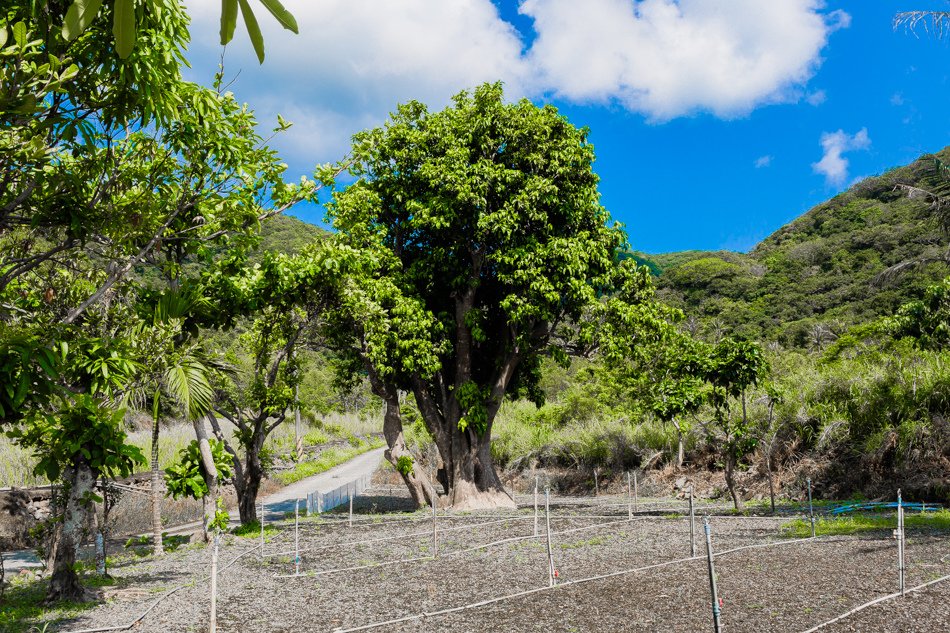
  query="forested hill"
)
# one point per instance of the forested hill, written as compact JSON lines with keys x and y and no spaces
{"x":287,"y":234}
{"x":821,"y":273}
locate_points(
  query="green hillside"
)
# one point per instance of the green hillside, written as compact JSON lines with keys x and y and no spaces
{"x":287,"y":234}
{"x":821,"y":272}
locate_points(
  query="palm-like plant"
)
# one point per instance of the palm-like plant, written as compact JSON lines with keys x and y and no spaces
{"x":179,"y":375}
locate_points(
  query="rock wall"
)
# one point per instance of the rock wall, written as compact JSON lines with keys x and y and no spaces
{"x":21,"y":510}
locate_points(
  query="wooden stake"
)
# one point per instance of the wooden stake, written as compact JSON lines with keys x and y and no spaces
{"x":629,"y":502}
{"x":811,"y":510}
{"x":636,"y":494}
{"x":692,"y":520}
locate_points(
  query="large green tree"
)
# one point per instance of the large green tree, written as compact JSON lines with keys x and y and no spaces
{"x":483,"y":236}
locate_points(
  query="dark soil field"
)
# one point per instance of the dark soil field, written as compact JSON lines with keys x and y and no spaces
{"x":380,"y":572}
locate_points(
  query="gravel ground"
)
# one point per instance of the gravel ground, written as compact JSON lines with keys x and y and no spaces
{"x":788,"y":587}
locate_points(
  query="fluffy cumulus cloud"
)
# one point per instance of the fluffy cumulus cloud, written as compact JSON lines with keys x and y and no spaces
{"x":354,"y":60}
{"x":667,"y":59}
{"x":833,"y":164}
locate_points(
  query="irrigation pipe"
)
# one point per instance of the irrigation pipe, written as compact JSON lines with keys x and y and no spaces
{"x":167,"y":593}
{"x":391,"y":538}
{"x":451,"y":553}
{"x":528,"y":592}
{"x":874,"y":602}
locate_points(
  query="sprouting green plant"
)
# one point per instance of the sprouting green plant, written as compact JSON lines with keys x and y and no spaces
{"x":219,"y":522}
{"x":405,"y":465}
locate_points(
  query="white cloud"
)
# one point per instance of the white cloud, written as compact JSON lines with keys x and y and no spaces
{"x":667,"y":59}
{"x":763,"y":161}
{"x":897,"y":99}
{"x":816,"y":98}
{"x":833,"y":165}
{"x":355,"y":60}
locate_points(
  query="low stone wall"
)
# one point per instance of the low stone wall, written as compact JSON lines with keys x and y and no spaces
{"x":20,"y":511}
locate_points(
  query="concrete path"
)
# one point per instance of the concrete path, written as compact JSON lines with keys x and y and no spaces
{"x":282,"y":501}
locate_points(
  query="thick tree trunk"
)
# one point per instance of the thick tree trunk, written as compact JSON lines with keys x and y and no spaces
{"x":64,"y":581}
{"x":156,"y":494}
{"x":731,"y":482}
{"x":251,"y":480}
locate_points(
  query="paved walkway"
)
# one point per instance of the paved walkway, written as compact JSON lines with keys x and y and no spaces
{"x":282,"y":501}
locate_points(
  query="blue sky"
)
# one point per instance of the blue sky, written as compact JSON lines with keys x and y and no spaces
{"x":715,"y":121}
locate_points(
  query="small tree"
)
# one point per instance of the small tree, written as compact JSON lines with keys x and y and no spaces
{"x":731,"y":369}
{"x":288,"y":296}
{"x":81,"y":441}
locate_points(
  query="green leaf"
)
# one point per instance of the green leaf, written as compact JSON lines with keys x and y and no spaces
{"x":229,"y":10}
{"x":3,"y":35}
{"x":19,"y":34}
{"x":253,"y":30}
{"x":283,"y":15}
{"x":79,"y":17}
{"x":123,"y":27}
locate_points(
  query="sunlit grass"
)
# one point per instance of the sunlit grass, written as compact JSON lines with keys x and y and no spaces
{"x":854,"y":524}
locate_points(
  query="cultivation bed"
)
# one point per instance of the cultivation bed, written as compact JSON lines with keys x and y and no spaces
{"x":790,"y":586}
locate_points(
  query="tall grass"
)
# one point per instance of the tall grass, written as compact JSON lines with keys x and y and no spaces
{"x":522,"y":433}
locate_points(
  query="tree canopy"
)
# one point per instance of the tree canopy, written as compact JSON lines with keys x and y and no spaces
{"x":485,"y":246}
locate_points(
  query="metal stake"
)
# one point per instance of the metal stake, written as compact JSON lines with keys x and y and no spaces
{"x":900,"y":541}
{"x":351,"y":507}
{"x":435,"y":534}
{"x":212,"y":627}
{"x":547,"y":520}
{"x":297,"y":537}
{"x":262,"y":528}
{"x":535,"y":505}
{"x":717,"y":626}
{"x":596,"y":484}
{"x":692,"y":519}
{"x":811,"y":510}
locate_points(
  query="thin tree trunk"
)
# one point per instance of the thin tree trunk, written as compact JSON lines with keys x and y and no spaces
{"x":210,"y":475}
{"x":420,"y":490}
{"x":731,"y":482}
{"x":156,"y":492}
{"x":680,"y":448}
{"x":768,"y":469}
{"x":64,"y":582}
